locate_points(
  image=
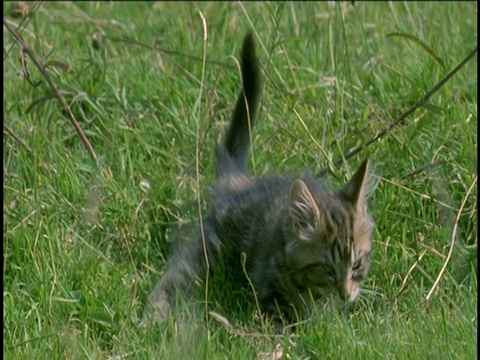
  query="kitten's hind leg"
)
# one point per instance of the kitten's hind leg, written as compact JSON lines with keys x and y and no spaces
{"x":187,"y":264}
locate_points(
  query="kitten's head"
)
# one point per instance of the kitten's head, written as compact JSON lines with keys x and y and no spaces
{"x":330,"y":245}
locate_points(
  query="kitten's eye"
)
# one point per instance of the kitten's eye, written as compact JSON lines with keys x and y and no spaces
{"x":357,"y":265}
{"x":319,"y":267}
{"x":329,"y":270}
{"x":357,"y":274}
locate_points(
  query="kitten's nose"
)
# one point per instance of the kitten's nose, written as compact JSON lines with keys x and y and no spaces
{"x":354,"y":294}
{"x":349,"y":292}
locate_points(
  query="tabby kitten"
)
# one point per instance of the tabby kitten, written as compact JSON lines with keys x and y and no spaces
{"x":300,"y":241}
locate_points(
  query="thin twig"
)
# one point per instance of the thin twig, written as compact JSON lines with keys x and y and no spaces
{"x":25,"y":72}
{"x":452,"y":244}
{"x":87,"y":122}
{"x":58,"y":94}
{"x":10,"y":131}
{"x":17,"y":138}
{"x":424,"y":167}
{"x":243,"y":332}
{"x":403,"y":116}
{"x":197,"y":163}
{"x":406,"y":281}
{"x":166,"y":51}
{"x":37,"y":101}
{"x":27,"y":17}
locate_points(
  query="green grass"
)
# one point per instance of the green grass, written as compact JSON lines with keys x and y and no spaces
{"x":83,"y":247}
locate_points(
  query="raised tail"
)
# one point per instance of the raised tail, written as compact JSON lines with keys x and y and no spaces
{"x":233,"y":153}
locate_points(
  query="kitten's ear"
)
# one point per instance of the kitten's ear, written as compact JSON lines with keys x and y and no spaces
{"x":303,"y":209}
{"x":355,"y":191}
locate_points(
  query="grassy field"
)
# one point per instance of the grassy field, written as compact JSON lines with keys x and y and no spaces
{"x":85,"y":241}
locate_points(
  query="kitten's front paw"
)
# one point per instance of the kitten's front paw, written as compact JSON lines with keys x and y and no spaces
{"x":278,"y":325}
{"x":157,"y":310}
